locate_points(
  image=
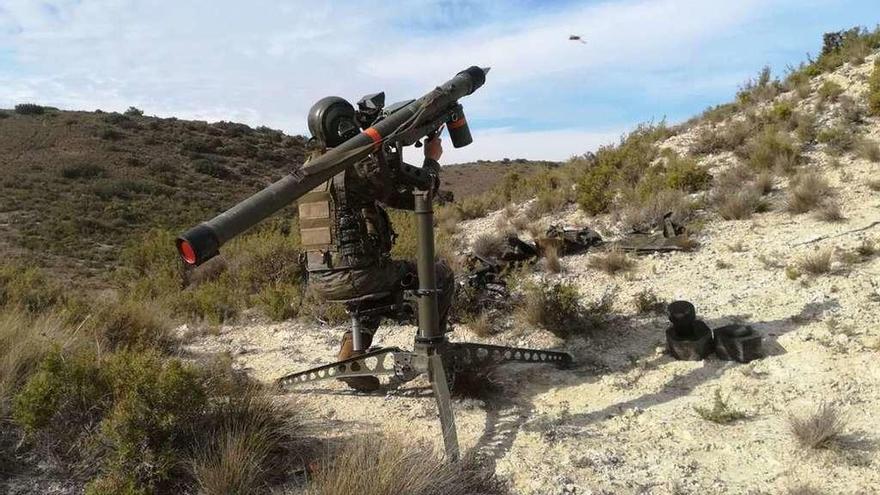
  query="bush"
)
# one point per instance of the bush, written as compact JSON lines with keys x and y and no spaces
{"x":869,"y":150}
{"x":721,"y":412}
{"x":24,"y":341}
{"x":818,"y":429}
{"x":874,"y":89}
{"x":840,"y":47}
{"x":839,"y":139}
{"x":396,"y":466}
{"x":817,"y":262}
{"x":807,"y":191}
{"x":132,"y":325}
{"x":83,"y":171}
{"x":555,"y":307}
{"x":110,"y":134}
{"x":618,"y":165}
{"x":27,"y":288}
{"x":134,"y":112}
{"x":727,"y":138}
{"x":29,"y":109}
{"x":246,"y":442}
{"x":772,"y":148}
{"x":613,"y":262}
{"x":212,"y":169}
{"x":683,"y":173}
{"x":646,"y":301}
{"x":829,"y":91}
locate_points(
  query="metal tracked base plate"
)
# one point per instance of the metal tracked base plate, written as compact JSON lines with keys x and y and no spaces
{"x":404,"y":366}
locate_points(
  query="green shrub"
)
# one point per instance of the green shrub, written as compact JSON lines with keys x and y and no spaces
{"x":65,"y":390}
{"x":83,"y":171}
{"x":110,"y":134}
{"x":721,"y":411}
{"x":280,"y":301}
{"x":874,"y":89}
{"x":613,"y":166}
{"x":839,"y":139}
{"x":684,"y":174}
{"x":554,"y":306}
{"x":216,"y":301}
{"x":134,"y":325}
{"x":115,"y":484}
{"x":772,"y":148}
{"x":728,"y":138}
{"x":840,"y":47}
{"x":829,"y":91}
{"x":134,"y":112}
{"x":156,"y":404}
{"x":28,"y":288}
{"x":212,"y":169}
{"x":29,"y":109}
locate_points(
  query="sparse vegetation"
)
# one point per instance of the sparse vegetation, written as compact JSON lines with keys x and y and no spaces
{"x":612,"y":262}
{"x":481,"y":325}
{"x":807,"y":192}
{"x":552,"y":263}
{"x":819,"y":428}
{"x":874,"y":89}
{"x":772,"y":149}
{"x":397,"y":467}
{"x":830,"y":211}
{"x":721,"y":411}
{"x":646,"y":302}
{"x":869,"y":150}
{"x":816,"y":262}
{"x":839,"y":139}
{"x":829,"y":91}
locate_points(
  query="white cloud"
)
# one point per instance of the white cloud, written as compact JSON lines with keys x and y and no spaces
{"x":265,"y":62}
{"x":557,"y":145}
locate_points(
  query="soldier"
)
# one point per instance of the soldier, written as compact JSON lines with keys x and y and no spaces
{"x":346,"y":232}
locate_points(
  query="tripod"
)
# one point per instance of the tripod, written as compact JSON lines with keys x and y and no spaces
{"x":432,"y":353}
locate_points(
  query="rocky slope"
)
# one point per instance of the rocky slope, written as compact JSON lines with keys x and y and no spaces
{"x":625,"y":419}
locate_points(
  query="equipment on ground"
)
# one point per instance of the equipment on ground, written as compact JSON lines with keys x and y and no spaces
{"x":690,"y":339}
{"x":389,"y":130}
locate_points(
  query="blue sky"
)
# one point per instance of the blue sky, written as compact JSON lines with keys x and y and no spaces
{"x":264,"y":63}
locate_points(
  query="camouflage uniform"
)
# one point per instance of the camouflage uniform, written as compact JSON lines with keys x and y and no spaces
{"x":347,"y":236}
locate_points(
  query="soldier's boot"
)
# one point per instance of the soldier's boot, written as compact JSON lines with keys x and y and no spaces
{"x":346,"y":350}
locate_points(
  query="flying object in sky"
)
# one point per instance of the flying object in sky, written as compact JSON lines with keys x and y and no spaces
{"x":575,"y":37}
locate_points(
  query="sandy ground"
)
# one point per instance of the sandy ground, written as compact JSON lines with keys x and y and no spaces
{"x":624,"y":420}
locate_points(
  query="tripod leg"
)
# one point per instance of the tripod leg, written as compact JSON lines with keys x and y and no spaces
{"x":437,"y":375}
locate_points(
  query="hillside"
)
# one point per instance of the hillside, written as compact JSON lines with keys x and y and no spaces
{"x":779,"y":192}
{"x":78,"y":186}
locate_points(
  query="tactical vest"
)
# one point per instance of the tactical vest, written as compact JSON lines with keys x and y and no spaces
{"x":338,"y":235}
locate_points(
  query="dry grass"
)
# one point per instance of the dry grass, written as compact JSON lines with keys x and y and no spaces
{"x":740,"y":205}
{"x":480,"y":325}
{"x":24,"y":341}
{"x":807,"y":192}
{"x":830,"y":212}
{"x":612,"y":263}
{"x":393,"y":466}
{"x":252,"y":433}
{"x":552,"y":263}
{"x":489,"y":245}
{"x":818,"y":429}
{"x":869,"y":150}
{"x":817,"y":262}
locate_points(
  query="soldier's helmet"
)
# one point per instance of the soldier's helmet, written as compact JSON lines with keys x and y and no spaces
{"x":332,"y":121}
